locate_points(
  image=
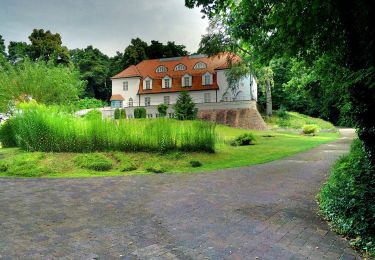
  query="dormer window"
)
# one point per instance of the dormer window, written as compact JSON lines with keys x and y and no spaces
{"x":200,"y":65}
{"x":167,"y":82}
{"x":180,"y":67}
{"x":161,"y":69}
{"x":147,"y":83}
{"x":186,"y":80}
{"x":207,"y":79}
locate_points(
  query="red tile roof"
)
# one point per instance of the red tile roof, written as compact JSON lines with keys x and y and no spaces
{"x":117,"y":97}
{"x":147,"y":68}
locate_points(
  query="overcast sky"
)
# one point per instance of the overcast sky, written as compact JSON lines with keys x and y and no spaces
{"x":108,"y":25}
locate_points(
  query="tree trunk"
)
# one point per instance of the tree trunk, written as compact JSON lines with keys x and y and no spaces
{"x":268,"y":98}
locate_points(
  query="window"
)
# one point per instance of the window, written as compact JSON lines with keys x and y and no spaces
{"x":147,"y":101}
{"x":180,"y":67}
{"x":149,"y":115}
{"x":186,"y":81}
{"x":207,"y":97}
{"x":167,"y":83}
{"x":148,"y":84}
{"x":130,"y":102}
{"x":171,"y":115}
{"x":130,"y":116}
{"x":125,"y":86}
{"x":166,"y":100}
{"x":161,"y":69}
{"x":207,"y":80}
{"x":200,"y":65}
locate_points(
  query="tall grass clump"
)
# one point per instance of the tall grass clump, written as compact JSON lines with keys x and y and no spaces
{"x":48,"y":130}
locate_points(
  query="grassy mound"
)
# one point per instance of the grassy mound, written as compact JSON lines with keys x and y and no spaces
{"x":296,"y":120}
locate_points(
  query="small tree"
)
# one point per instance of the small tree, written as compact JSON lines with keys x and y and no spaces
{"x":162,"y":109}
{"x":185,"y":107}
{"x":265,"y":79}
{"x":140,"y":112}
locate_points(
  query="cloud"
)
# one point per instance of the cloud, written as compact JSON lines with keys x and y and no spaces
{"x":108,"y":25}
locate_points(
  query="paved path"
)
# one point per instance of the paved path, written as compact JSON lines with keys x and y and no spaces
{"x":266,"y":211}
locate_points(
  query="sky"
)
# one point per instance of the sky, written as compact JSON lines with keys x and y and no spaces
{"x":108,"y":25}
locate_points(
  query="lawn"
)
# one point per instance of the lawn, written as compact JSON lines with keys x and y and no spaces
{"x":270,"y":145}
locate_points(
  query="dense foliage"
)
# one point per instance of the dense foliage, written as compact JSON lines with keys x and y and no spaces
{"x":44,"y":82}
{"x":244,"y":139}
{"x":139,"y":112}
{"x":331,"y":45}
{"x":162,"y":109}
{"x":45,"y":129}
{"x":185,"y":108}
{"x":347,"y":200}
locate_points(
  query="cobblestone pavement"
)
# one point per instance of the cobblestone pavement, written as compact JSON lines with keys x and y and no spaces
{"x":266,"y":211}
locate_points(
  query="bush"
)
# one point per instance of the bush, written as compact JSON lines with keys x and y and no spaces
{"x":162,"y":109}
{"x":87,"y":103}
{"x":156,"y":169}
{"x":195,"y":163}
{"x":93,"y":114}
{"x":117,"y":113}
{"x":139,"y":112}
{"x":95,"y":161}
{"x":244,"y":139}
{"x":128,"y":166}
{"x":3,"y":167}
{"x":185,"y":107}
{"x":347,"y":199}
{"x":46,"y":130}
{"x":122,"y":114}
{"x":281,"y":113}
{"x":310,"y":129}
{"x":7,"y":135}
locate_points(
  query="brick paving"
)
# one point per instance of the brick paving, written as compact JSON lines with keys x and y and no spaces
{"x":266,"y":211}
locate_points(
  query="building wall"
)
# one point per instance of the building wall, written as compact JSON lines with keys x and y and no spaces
{"x":133,"y":85}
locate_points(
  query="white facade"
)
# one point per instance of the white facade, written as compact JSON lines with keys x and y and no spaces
{"x":223,"y":94}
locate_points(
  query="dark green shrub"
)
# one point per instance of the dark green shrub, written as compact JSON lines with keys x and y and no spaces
{"x":244,"y":139}
{"x":122,"y":113}
{"x":347,"y":199}
{"x":117,"y":113}
{"x":139,"y":112}
{"x":93,"y":161}
{"x":310,"y":129}
{"x":185,"y":107}
{"x":162,"y":109}
{"x":87,"y":103}
{"x":156,"y":169}
{"x":281,"y":113}
{"x":7,"y":134}
{"x":194,"y":163}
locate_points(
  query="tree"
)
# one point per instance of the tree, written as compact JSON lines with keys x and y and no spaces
{"x":2,"y":46}
{"x":265,"y":79}
{"x":45,"y":83}
{"x":94,"y":67}
{"x":185,"y":107}
{"x":48,"y":46}
{"x":135,"y":52}
{"x":173,"y":50}
{"x":155,"y":50}
{"x":140,"y":112}
{"x":162,"y":109}
{"x":18,"y":51}
{"x":309,"y":29}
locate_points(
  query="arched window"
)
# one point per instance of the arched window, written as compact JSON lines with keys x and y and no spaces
{"x":200,"y":65}
{"x":180,"y":67}
{"x":161,"y":69}
{"x":130,"y":102}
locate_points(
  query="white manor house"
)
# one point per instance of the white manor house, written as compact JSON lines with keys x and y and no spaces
{"x":152,"y":82}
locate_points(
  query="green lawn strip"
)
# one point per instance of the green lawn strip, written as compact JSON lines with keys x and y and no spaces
{"x":270,"y":145}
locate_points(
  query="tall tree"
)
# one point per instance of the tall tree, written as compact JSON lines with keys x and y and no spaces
{"x":17,"y":51}
{"x":48,"y":46}
{"x":155,"y":50}
{"x":2,"y":45}
{"x":309,"y":29}
{"x":135,"y":52}
{"x":94,"y":67}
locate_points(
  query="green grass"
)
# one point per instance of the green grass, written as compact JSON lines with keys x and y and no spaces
{"x":47,"y":130}
{"x":270,"y":145}
{"x":296,"y":120}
